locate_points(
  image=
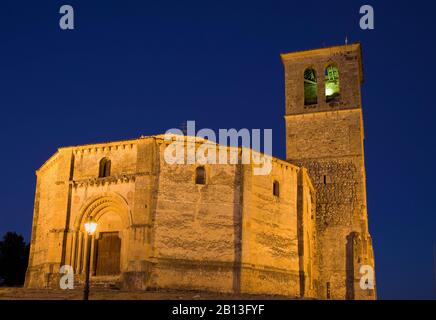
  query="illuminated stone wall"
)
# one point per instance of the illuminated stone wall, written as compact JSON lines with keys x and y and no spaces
{"x":231,"y":234}
{"x":327,"y":139}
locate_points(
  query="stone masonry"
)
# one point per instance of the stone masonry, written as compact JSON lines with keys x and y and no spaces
{"x":327,"y":139}
{"x":300,"y":231}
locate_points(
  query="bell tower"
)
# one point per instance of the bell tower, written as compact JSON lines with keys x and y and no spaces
{"x":324,"y":133}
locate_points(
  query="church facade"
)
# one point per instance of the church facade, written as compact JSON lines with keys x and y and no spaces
{"x":300,"y":231}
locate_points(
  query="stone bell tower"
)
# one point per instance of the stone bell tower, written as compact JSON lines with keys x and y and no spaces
{"x":324,"y":133}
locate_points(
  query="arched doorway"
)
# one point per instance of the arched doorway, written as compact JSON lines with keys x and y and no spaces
{"x":108,"y":250}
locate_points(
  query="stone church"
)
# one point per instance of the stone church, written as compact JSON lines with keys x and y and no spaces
{"x":301,"y":231}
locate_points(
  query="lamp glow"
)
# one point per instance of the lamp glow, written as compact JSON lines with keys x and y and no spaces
{"x":90,"y":226}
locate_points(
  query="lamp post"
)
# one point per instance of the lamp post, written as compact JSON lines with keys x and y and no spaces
{"x":90,"y":227}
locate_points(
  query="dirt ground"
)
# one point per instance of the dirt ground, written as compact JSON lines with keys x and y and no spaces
{"x":110,"y":294}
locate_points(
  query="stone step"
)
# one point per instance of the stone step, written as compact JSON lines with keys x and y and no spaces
{"x":97,"y":285}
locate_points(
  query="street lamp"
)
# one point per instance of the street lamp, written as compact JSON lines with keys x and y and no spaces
{"x":90,"y":227}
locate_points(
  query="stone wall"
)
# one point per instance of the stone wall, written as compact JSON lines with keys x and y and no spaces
{"x":228,"y":235}
{"x":232,"y":234}
{"x":195,"y":227}
{"x":327,"y":139}
{"x":269,"y":237}
{"x":50,"y":216}
{"x":307,"y":236}
{"x":349,"y":61}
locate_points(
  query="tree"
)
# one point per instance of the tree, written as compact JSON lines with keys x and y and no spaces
{"x":14,"y":255}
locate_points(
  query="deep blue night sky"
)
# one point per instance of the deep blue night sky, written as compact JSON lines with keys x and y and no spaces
{"x":134,"y":68}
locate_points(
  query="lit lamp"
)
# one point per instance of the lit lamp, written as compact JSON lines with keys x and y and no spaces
{"x":90,"y":227}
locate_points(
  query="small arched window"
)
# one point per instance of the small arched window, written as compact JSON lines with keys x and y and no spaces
{"x":105,"y":168}
{"x":200,"y":175}
{"x":276,"y":189}
{"x":310,"y":87}
{"x":331,"y":83}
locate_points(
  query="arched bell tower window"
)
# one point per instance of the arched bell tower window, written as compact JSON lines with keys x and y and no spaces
{"x":200,"y":175}
{"x":310,"y":87}
{"x":332,"y":91}
{"x":105,"y":168}
{"x":276,"y":189}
